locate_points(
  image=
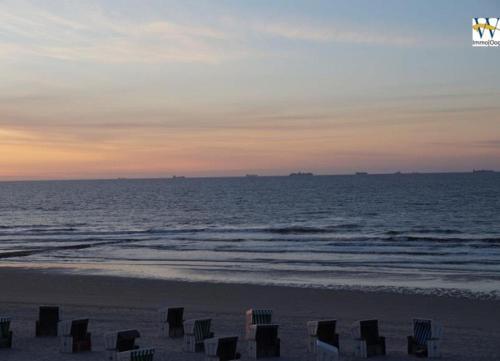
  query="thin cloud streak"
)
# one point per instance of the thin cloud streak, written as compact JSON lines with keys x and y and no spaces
{"x":336,"y":34}
{"x":93,"y":35}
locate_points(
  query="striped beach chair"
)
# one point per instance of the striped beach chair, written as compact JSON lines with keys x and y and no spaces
{"x":195,"y":333}
{"x":367,"y":341}
{"x":326,"y":352}
{"x":74,"y":336}
{"x":120,"y":341}
{"x":257,"y":317}
{"x":142,"y":354}
{"x":48,"y":318}
{"x":172,"y":322}
{"x":426,"y":338}
{"x":263,"y":341}
{"x":221,"y":349}
{"x":324,"y":331}
{"x":5,"y":333}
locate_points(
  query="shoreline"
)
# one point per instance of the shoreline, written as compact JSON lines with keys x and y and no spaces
{"x":471,"y":325}
{"x":430,"y":291}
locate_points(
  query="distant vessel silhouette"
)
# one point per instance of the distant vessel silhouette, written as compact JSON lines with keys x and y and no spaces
{"x":252,"y":175}
{"x":178,"y":177}
{"x":301,"y":174}
{"x":482,"y":171}
{"x":361,"y":173}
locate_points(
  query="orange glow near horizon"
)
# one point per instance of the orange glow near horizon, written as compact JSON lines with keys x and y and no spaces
{"x":93,"y":89}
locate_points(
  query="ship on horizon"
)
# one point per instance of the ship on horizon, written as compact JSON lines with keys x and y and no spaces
{"x":301,"y":174}
{"x":483,"y":171}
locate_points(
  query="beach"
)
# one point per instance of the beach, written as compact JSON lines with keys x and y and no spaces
{"x":471,"y":326}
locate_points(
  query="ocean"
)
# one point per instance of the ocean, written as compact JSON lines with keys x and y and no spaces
{"x":404,"y":232}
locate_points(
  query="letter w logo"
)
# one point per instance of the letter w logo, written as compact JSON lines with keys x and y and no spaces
{"x":481,"y":27}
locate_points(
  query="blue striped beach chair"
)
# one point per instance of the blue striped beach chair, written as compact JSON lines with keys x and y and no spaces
{"x":257,"y":317}
{"x":426,"y":338}
{"x":195,"y":333}
{"x":5,"y":333}
{"x":142,"y":354}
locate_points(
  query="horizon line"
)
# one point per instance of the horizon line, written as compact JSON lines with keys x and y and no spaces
{"x":252,"y":175}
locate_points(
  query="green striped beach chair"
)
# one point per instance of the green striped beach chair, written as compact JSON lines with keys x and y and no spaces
{"x":426,"y":338}
{"x":257,"y":317}
{"x":142,"y":354}
{"x":195,"y":333}
{"x":5,"y":333}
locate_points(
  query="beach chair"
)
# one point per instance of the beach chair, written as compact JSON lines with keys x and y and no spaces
{"x":120,"y":341}
{"x":426,"y":339}
{"x":5,"y":333}
{"x":195,"y":333}
{"x":257,"y":317}
{"x":172,"y":322}
{"x":74,"y":336}
{"x":324,"y":331}
{"x":48,"y":318}
{"x":367,"y":341}
{"x":142,"y":354}
{"x":263,"y":341}
{"x":221,"y":349}
{"x":326,"y":352}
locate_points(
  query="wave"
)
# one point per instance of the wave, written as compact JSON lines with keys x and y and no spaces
{"x":309,"y":230}
{"x":424,"y":231}
{"x":445,"y":239}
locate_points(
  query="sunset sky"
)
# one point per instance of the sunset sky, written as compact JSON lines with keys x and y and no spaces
{"x":100,"y":89}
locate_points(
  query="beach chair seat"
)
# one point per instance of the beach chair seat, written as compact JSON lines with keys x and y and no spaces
{"x":426,"y":339}
{"x":74,"y":336}
{"x":172,"y":322}
{"x":142,"y":354}
{"x":5,"y":333}
{"x":257,"y":317}
{"x":326,"y":352}
{"x":263,"y":341}
{"x":367,"y":341}
{"x":48,"y":319}
{"x":120,"y":341}
{"x":221,"y":349}
{"x":324,"y":331}
{"x":195,"y":333}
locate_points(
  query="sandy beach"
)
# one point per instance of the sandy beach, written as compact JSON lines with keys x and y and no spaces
{"x":112,"y":303}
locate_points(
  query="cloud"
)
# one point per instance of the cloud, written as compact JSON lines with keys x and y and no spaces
{"x":89,"y":33}
{"x":493,"y":144}
{"x":335,"y":34}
